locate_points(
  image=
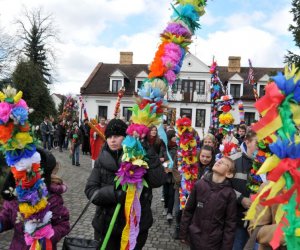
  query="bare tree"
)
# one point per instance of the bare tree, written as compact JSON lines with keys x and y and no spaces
{"x":7,"y":53}
{"x":37,"y":35}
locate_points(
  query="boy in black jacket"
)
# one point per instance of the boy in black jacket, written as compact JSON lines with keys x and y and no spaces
{"x":102,"y":180}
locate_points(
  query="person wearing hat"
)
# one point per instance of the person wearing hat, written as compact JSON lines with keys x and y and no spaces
{"x":101,"y":180}
{"x":60,"y":214}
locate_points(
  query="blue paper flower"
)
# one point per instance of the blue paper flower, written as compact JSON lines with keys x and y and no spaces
{"x":20,"y":114}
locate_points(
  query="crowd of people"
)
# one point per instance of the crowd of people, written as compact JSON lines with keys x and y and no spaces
{"x":213,"y":214}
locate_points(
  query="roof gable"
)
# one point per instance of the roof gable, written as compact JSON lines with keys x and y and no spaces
{"x":142,"y":74}
{"x":236,"y":77}
{"x":264,"y":78}
{"x":118,"y":73}
{"x":193,"y":64}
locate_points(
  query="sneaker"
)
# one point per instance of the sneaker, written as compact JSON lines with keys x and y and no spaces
{"x":162,"y":199}
{"x":77,"y":164}
{"x":169,"y":216}
{"x":165,"y":212}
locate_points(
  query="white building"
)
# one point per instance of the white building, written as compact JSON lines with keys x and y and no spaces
{"x":189,"y":96}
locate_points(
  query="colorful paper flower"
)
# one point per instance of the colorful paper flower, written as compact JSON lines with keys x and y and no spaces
{"x":129,"y":173}
{"x":5,"y":111}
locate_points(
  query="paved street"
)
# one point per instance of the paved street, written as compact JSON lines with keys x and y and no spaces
{"x":75,"y":177}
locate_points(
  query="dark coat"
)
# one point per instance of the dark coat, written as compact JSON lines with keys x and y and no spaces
{"x":102,"y":180}
{"x":243,"y":167}
{"x":61,"y":129}
{"x":60,"y":219}
{"x":209,"y":218}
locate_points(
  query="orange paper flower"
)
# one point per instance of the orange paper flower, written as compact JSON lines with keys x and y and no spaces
{"x":6,"y":132}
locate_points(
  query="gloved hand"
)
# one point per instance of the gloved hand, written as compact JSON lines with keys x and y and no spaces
{"x":120,"y":196}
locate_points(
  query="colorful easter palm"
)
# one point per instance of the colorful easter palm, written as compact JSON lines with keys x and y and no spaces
{"x":280,"y":117}
{"x":19,"y":147}
{"x":149,"y":108}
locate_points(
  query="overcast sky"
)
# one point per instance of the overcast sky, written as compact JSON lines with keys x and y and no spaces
{"x":93,"y":31}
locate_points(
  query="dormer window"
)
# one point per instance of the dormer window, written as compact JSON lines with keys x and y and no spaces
{"x":261,"y":90}
{"x":116,"y":85}
{"x":235,"y":90}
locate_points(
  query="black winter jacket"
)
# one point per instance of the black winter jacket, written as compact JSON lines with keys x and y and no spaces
{"x":102,"y":180}
{"x":243,"y":166}
{"x":209,"y":217}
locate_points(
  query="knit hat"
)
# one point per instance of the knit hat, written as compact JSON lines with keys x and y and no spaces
{"x":115,"y":127}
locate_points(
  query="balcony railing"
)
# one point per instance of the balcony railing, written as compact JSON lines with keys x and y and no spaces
{"x":187,"y":96}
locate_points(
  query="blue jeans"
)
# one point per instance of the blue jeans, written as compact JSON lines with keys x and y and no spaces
{"x":46,"y":140}
{"x":240,"y":238}
{"x":75,"y":156}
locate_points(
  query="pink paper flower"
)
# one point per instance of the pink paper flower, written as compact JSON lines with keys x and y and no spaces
{"x":170,"y":76}
{"x":22,"y":104}
{"x":5,"y":110}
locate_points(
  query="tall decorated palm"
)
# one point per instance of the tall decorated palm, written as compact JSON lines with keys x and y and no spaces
{"x":149,"y":108}
{"x":280,"y":120}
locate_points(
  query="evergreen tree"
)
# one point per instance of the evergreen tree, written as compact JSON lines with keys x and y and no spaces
{"x":295,"y":29}
{"x":37,"y":34}
{"x":28,"y":78}
{"x":35,"y":50}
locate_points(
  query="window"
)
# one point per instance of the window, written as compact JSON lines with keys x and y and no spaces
{"x":139,"y":84}
{"x":262,"y":90}
{"x":176,"y":86}
{"x":249,"y":118}
{"x":200,"y":87}
{"x":235,"y":90}
{"x":127,"y":113}
{"x":200,"y":118}
{"x":102,"y":111}
{"x":186,"y":113}
{"x":116,"y":85}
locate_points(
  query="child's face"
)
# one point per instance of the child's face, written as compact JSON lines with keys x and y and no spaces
{"x":115,"y":142}
{"x":223,"y":167}
{"x":205,"y":157}
{"x":208,"y":142}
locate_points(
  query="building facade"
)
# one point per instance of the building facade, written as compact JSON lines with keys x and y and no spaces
{"x":190,"y":94}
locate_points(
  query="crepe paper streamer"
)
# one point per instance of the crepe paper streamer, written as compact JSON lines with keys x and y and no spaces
{"x":18,"y":145}
{"x":280,"y":116}
{"x":162,"y":134}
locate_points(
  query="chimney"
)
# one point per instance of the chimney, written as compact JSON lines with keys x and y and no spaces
{"x":126,"y":57}
{"x":234,"y":64}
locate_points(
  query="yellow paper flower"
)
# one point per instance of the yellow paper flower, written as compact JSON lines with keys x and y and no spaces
{"x":18,"y":97}
{"x":140,"y":162}
{"x":28,"y":210}
{"x":226,"y":119}
{"x":20,"y":140}
{"x":2,"y":96}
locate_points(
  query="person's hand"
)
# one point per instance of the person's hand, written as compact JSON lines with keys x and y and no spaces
{"x":168,"y":170}
{"x":246,"y":202}
{"x":184,"y":242}
{"x":162,"y":159}
{"x":120,"y":196}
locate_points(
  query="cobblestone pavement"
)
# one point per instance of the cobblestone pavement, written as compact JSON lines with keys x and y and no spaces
{"x":75,"y":177}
